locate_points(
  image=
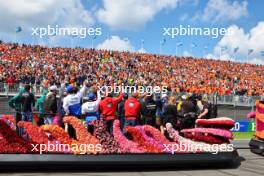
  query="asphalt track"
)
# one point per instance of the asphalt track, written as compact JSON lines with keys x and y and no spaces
{"x":248,"y":164}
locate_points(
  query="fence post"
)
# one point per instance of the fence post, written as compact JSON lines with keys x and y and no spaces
{"x":6,"y":89}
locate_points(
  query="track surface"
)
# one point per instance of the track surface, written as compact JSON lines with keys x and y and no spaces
{"x":250,"y":164}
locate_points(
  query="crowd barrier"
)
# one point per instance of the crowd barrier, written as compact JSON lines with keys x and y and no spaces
{"x":233,"y":100}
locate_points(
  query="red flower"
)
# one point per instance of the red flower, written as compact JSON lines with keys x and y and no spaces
{"x":156,"y":134}
{"x":37,"y":135}
{"x":11,"y":142}
{"x":83,"y":136}
{"x":109,"y":144}
{"x":58,"y":133}
{"x":126,"y":145}
{"x":143,"y":140}
{"x":10,"y":118}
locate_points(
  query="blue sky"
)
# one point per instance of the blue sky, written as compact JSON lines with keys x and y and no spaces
{"x":125,"y":23}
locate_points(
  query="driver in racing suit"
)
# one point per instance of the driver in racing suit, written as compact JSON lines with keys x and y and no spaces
{"x":91,"y":108}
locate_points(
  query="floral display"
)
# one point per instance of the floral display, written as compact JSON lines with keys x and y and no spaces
{"x":210,"y":131}
{"x":208,"y":138}
{"x":9,"y":118}
{"x":156,"y":134}
{"x":82,"y":135}
{"x":109,"y":144}
{"x":126,"y":145}
{"x":58,"y":133}
{"x":251,"y":115}
{"x":36,"y":134}
{"x":187,"y":141}
{"x":10,"y":141}
{"x":213,"y":131}
{"x":140,"y":137}
{"x":220,"y":122}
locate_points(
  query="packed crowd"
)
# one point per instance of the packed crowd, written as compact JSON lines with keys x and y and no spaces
{"x":32,"y":64}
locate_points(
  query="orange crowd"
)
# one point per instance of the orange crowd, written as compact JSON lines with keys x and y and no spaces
{"x":33,"y":64}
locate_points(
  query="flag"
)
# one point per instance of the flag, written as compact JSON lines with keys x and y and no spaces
{"x":179,"y":44}
{"x":142,"y":41}
{"x":262,"y":53}
{"x":163,"y":42}
{"x":18,"y":29}
{"x":250,"y":51}
{"x":193,"y":45}
{"x":236,"y":49}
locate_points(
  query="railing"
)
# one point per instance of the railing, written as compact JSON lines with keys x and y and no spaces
{"x":13,"y":89}
{"x":234,"y":100}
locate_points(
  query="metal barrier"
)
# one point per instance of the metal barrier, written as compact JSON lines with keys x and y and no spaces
{"x":13,"y":89}
{"x":236,"y":100}
{"x":233,"y":100}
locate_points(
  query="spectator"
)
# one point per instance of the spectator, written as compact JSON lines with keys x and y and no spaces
{"x":170,"y":114}
{"x":40,"y":107}
{"x":203,"y":107}
{"x":15,"y":103}
{"x":121,"y":110}
{"x":148,"y":111}
{"x":50,"y":105}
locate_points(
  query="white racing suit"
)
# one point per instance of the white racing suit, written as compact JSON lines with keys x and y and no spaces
{"x":72,"y":103}
{"x":91,"y":109}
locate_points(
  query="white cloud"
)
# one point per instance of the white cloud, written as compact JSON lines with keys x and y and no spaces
{"x":243,"y":40}
{"x":117,"y":44}
{"x":142,"y":50}
{"x":35,"y":13}
{"x":223,"y":10}
{"x":131,"y":14}
{"x":184,"y":17}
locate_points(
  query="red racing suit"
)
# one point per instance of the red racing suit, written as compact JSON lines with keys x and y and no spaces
{"x":108,"y":107}
{"x":132,"y":109}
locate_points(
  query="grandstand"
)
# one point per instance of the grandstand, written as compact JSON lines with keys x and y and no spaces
{"x":31,"y":64}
